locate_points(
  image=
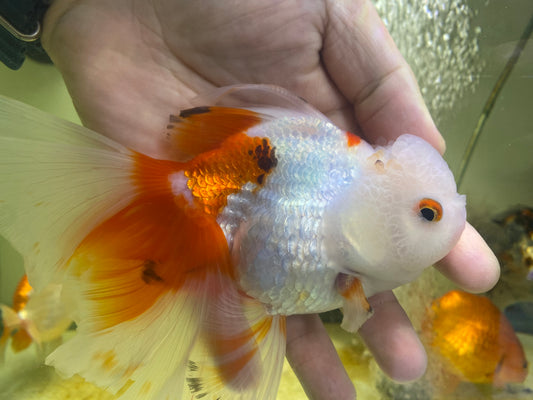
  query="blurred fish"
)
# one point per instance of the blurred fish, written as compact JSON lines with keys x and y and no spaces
{"x":473,"y":340}
{"x":516,"y":255}
{"x":510,"y":235}
{"x":182,"y":270}
{"x":35,"y":317}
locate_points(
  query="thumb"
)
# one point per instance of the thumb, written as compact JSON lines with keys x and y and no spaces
{"x":368,"y":68}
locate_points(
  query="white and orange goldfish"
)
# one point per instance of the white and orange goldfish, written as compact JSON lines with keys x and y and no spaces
{"x":33,"y":318}
{"x":182,"y":270}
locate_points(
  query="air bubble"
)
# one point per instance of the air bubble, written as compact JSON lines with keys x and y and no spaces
{"x":440,"y":45}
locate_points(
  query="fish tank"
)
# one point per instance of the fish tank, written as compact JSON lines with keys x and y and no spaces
{"x":474,"y":63}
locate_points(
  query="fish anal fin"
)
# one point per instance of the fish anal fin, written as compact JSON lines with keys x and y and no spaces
{"x":200,"y":129}
{"x":356,"y":308}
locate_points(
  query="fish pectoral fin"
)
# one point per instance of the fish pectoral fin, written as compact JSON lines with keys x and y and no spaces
{"x":356,"y":309}
{"x":240,"y":354}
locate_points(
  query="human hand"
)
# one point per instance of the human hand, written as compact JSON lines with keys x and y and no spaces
{"x":128,"y":64}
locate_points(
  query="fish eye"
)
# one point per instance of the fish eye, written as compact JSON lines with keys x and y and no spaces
{"x":430,"y":210}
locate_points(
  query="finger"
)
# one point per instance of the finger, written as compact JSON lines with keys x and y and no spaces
{"x":471,"y":264}
{"x":314,"y":359}
{"x":390,"y":336}
{"x":367,"y":67}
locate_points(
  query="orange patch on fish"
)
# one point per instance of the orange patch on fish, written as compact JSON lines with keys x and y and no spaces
{"x":234,"y":353}
{"x":202,"y":129}
{"x":20,"y":340}
{"x":149,"y":248}
{"x":214,"y":175}
{"x":107,"y":358}
{"x":352,"y":139}
{"x":21,"y":294}
{"x":473,"y":340}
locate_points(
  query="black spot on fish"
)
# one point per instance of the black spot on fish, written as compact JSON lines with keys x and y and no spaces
{"x":192,"y":366}
{"x":266,"y":157}
{"x":149,"y":275}
{"x":195,"y":386}
{"x":260,"y":179}
{"x":193,"y":111}
{"x":173,"y":118}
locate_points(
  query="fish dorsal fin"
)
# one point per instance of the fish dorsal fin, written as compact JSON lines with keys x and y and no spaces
{"x":232,"y":109}
{"x":53,"y":188}
{"x":266,"y":99}
{"x":200,"y":129}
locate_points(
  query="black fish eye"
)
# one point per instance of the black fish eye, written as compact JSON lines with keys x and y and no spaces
{"x":428,"y":213}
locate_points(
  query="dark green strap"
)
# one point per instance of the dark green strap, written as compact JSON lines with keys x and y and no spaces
{"x":20,"y":30}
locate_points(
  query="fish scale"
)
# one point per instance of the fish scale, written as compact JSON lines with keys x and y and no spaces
{"x":288,"y":274}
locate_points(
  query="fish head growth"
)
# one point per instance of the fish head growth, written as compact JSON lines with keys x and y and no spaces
{"x":401,"y":214}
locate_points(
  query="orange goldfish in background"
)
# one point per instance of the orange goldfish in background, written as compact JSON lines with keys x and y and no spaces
{"x":473,"y":340}
{"x":34,"y":317}
{"x":180,"y":271}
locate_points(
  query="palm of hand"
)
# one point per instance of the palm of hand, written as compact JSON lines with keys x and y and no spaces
{"x":150,"y":59}
{"x":134,"y":58}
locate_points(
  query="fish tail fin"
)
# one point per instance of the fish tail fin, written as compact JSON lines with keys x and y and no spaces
{"x":136,"y":257}
{"x":240,"y":354}
{"x":58,"y":181}
{"x":142,"y":281}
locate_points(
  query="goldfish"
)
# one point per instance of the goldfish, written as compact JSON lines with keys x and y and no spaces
{"x":182,"y":270}
{"x":473,"y":340}
{"x":35,"y":317}
{"x":516,"y":254}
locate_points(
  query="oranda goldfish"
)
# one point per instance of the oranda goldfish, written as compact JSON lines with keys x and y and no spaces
{"x":35,"y":317}
{"x":182,"y":270}
{"x":473,"y":340}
